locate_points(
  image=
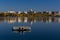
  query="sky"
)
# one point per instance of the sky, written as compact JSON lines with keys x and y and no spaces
{"x":24,"y":5}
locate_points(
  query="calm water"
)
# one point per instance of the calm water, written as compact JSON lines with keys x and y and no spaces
{"x":42,"y":28}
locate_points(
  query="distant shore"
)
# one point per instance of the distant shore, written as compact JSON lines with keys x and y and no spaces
{"x":28,"y":15}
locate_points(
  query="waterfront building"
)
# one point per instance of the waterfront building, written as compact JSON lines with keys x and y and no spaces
{"x":39,"y":12}
{"x":45,"y":12}
{"x":55,"y":13}
{"x":19,"y":12}
{"x":11,"y":12}
{"x":49,"y":12}
{"x":25,"y":12}
{"x":59,"y":13}
{"x":35,"y":12}
{"x":31,"y":11}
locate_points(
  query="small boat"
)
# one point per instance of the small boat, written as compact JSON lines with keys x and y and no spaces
{"x":21,"y":28}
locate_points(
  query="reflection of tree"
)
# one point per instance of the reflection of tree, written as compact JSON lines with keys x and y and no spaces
{"x":1,"y":14}
{"x":52,"y":19}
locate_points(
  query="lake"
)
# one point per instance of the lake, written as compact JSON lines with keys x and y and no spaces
{"x":42,"y":28}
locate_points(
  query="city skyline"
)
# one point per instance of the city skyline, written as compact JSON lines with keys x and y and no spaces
{"x":24,"y":5}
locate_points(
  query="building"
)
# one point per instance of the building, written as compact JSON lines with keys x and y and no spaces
{"x":49,"y":12}
{"x":30,"y":11}
{"x":55,"y":13}
{"x":19,"y":12}
{"x":46,"y":12}
{"x":59,"y":13}
{"x":11,"y":12}
{"x":35,"y":12}
{"x":25,"y":12}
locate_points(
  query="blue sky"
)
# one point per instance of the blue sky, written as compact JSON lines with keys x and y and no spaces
{"x":38,"y":5}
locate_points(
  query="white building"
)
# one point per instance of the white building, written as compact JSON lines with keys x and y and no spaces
{"x":31,"y":10}
{"x":11,"y":12}
{"x":19,"y":12}
{"x":49,"y":12}
{"x":25,"y":12}
{"x":59,"y":13}
{"x":35,"y":12}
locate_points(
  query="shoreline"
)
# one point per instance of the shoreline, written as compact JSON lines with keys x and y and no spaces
{"x":27,"y":15}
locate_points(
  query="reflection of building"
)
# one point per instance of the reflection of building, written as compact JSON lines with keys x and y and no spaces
{"x":2,"y":19}
{"x":19,"y":19}
{"x":29,"y":20}
{"x":25,"y":19}
{"x":50,"y":19}
{"x":35,"y":20}
{"x":58,"y":19}
{"x":10,"y":20}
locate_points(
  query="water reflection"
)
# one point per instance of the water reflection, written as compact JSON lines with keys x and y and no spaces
{"x":29,"y":19}
{"x":38,"y":30}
